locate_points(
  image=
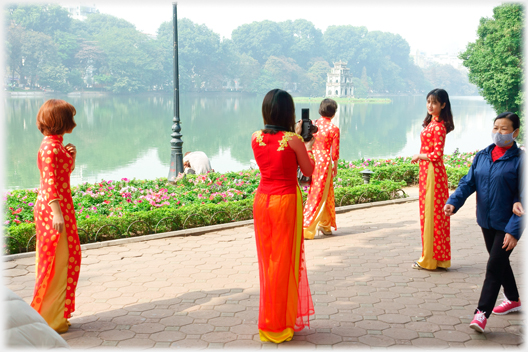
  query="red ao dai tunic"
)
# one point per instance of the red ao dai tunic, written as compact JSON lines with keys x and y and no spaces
{"x":435,"y":226}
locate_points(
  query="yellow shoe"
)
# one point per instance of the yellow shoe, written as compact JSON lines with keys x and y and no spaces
{"x":324,"y":232}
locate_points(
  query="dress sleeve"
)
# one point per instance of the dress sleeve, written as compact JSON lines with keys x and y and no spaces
{"x":50,"y":166}
{"x":438,"y":136}
{"x":335,"y":146}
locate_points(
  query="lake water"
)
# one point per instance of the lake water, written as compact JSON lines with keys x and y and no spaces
{"x":129,"y":137}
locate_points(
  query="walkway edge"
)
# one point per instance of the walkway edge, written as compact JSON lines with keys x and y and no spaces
{"x":201,"y":230}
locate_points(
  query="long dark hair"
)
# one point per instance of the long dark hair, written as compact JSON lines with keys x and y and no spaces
{"x":278,"y":109}
{"x":446,"y":115}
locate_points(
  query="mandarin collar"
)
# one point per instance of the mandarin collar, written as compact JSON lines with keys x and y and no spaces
{"x":55,"y":137}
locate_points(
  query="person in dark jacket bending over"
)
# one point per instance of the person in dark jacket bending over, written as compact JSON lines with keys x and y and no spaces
{"x":497,"y":176}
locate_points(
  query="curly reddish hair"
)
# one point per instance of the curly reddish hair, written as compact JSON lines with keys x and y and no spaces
{"x":55,"y":117}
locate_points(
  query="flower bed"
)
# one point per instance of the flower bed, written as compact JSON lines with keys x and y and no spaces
{"x":115,"y":209}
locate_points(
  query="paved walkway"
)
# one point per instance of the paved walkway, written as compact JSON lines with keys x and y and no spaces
{"x":202,"y":291}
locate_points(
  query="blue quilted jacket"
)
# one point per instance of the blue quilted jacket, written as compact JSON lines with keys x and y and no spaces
{"x":498,"y":185}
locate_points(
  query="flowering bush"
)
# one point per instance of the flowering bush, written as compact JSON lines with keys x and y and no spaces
{"x":198,"y":200}
{"x":456,"y":160}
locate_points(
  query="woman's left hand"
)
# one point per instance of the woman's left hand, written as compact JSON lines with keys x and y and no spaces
{"x":509,"y":242}
{"x":71,"y":149}
{"x":415,"y":158}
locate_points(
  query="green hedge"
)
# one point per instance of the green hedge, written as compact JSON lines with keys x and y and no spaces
{"x":194,"y":215}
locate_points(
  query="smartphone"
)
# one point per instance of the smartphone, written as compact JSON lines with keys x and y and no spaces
{"x":306,"y":123}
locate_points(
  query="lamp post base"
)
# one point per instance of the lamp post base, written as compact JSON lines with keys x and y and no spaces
{"x":176,"y":166}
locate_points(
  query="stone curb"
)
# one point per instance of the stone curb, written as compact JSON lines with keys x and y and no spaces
{"x":204,"y":229}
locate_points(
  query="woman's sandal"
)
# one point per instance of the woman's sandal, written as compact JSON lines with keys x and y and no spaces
{"x":323,"y":232}
{"x":415,"y":265}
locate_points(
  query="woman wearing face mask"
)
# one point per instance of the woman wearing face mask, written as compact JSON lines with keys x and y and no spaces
{"x":496,"y":176}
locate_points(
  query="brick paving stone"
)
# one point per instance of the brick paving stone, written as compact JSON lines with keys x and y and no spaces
{"x":98,"y":326}
{"x":400,"y":334}
{"x":243,"y":344}
{"x":136,"y":344}
{"x":426,"y":342}
{"x":157,"y":313}
{"x":225,"y":321}
{"x":348,"y":331}
{"x":452,"y":336}
{"x":504,"y":338}
{"x":221,"y":337}
{"x":147,"y":328}
{"x":416,"y":312}
{"x":116,"y":335}
{"x":346,"y":317}
{"x":349,"y":345}
{"x":85,"y":342}
{"x":422,"y":326}
{"x":323,"y":338}
{"x":394,"y":318}
{"x":376,"y":340}
{"x":443,"y":320}
{"x":197,"y":329}
{"x":167,"y":336}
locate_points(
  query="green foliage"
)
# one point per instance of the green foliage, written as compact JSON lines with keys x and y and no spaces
{"x":108,"y":53}
{"x":451,"y":79}
{"x":55,"y":76}
{"x":495,"y":59}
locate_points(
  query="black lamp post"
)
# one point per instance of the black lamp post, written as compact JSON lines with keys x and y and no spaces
{"x":176,"y":164}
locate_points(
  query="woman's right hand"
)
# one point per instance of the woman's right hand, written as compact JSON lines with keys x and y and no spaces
{"x":298,"y":127}
{"x":58,"y":222}
{"x":518,"y":209}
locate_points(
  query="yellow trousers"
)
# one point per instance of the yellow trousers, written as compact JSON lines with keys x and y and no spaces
{"x":323,"y":219}
{"x":427,"y":261}
{"x":52,"y":309}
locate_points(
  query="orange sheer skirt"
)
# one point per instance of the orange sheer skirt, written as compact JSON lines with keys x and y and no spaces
{"x":285,"y":299}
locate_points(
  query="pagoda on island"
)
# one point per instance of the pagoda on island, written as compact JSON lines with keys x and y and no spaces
{"x":339,"y":82}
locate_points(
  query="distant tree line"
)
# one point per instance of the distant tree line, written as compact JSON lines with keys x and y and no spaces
{"x":46,"y":47}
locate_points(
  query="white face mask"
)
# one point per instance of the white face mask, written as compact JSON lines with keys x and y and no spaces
{"x":502,"y":140}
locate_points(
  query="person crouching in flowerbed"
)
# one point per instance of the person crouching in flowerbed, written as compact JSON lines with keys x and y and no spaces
{"x":58,"y":248}
{"x":497,"y":176}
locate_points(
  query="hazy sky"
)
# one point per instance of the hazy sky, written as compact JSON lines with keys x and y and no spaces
{"x":433,"y":26}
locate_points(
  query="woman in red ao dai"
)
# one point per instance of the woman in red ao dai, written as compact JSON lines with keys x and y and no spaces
{"x":435,"y":226}
{"x":58,"y":257}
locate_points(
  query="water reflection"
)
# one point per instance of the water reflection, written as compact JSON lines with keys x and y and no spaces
{"x":129,"y":137}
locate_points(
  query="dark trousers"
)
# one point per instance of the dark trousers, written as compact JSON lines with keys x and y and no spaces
{"x":498,"y":272}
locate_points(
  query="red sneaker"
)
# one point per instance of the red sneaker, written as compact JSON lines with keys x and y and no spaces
{"x":479,"y":321}
{"x":506,"y":307}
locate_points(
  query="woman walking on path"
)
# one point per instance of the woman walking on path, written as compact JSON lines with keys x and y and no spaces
{"x":319,"y":211}
{"x":436,"y":245}
{"x":58,"y":257}
{"x":285,"y":299}
{"x":496,"y":175}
